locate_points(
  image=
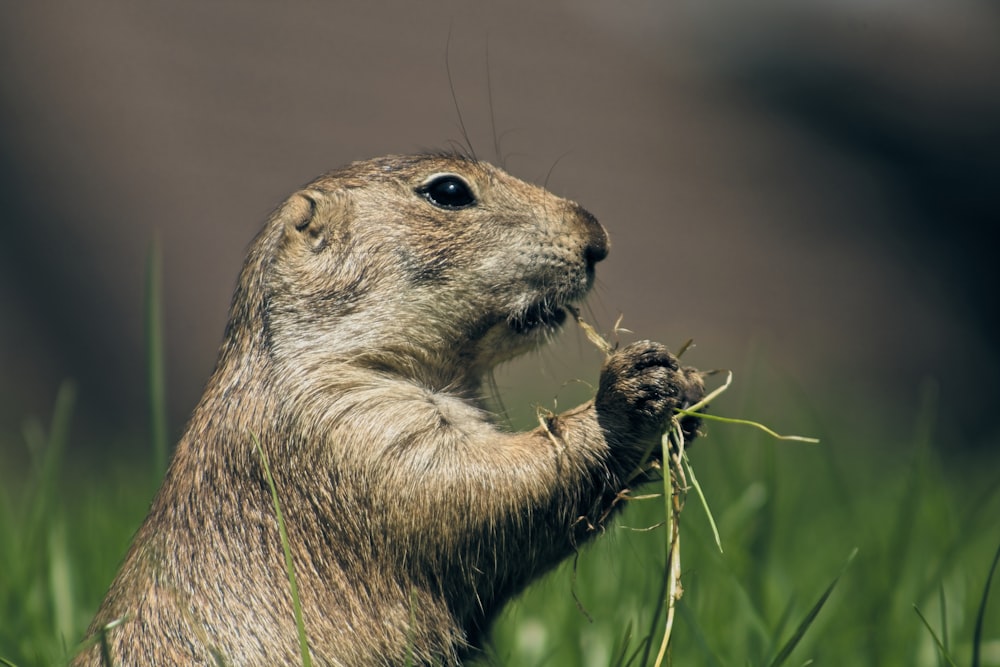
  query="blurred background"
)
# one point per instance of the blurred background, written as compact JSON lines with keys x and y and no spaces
{"x":806,"y":189}
{"x":809,"y":185}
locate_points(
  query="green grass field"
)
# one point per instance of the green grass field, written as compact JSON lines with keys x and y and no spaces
{"x":925,"y":526}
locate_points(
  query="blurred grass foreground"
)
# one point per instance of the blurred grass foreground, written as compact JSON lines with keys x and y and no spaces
{"x":921,"y":512}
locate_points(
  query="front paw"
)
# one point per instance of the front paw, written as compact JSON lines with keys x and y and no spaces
{"x":640,"y":387}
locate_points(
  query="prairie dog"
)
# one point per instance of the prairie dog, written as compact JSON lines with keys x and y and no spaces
{"x":368,"y":312}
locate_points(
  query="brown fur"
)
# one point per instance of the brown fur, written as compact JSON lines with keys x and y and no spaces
{"x":363,"y":324}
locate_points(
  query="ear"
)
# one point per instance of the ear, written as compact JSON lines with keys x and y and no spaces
{"x":319,"y":218}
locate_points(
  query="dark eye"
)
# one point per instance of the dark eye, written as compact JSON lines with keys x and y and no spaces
{"x":448,"y":191}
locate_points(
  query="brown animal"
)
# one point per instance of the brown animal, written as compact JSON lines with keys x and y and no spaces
{"x":368,"y":312}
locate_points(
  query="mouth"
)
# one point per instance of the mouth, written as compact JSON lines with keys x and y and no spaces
{"x":539,"y":316}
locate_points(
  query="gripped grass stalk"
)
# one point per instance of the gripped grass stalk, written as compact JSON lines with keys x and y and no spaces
{"x":674,"y":493}
{"x":676,"y":485}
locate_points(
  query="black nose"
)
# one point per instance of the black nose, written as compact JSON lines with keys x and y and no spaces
{"x":597,"y":239}
{"x":595,"y":252}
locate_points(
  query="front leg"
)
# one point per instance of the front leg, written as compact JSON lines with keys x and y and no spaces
{"x":509,"y":504}
{"x":463,"y":515}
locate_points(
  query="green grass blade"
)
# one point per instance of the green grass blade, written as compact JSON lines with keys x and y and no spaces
{"x":56,"y":441}
{"x":900,"y":547}
{"x":977,"y":637}
{"x":710,"y":396}
{"x":779,"y":628}
{"x":796,"y":637}
{"x":5,"y":661}
{"x":9,"y":548}
{"x":674,"y":437}
{"x":60,"y":585}
{"x":411,"y":629}
{"x":218,"y":658}
{"x":944,"y":619}
{"x":620,"y":650}
{"x":50,"y":453}
{"x":641,"y":648}
{"x":941,"y":647}
{"x":704,"y":501}
{"x":289,"y":565}
{"x":747,"y":422}
{"x":106,"y":659}
{"x":155,"y":360}
{"x":981,"y":508}
{"x":661,"y":600}
{"x":98,"y":638}
{"x":709,"y":659}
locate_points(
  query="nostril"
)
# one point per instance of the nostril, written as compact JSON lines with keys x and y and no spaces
{"x":596,"y":250}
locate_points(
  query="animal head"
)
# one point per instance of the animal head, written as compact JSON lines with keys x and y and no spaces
{"x":421,"y":265}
